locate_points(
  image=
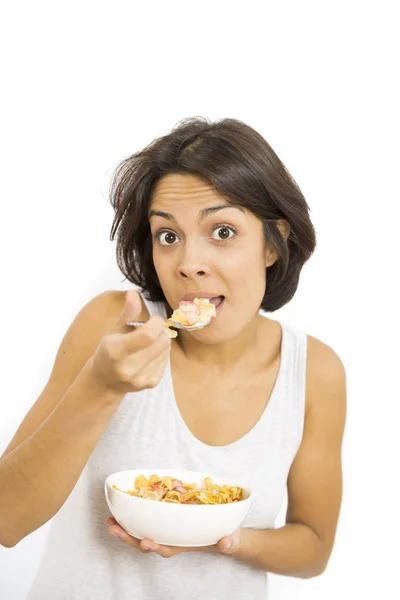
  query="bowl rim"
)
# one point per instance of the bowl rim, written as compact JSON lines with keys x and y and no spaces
{"x":108,"y":484}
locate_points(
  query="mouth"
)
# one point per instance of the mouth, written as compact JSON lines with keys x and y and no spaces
{"x":211,"y":296}
{"x":217,"y":301}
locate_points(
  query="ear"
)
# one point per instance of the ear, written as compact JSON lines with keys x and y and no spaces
{"x":283,"y":227}
{"x":270,"y":253}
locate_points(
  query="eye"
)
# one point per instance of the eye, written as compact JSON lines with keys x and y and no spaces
{"x":223,"y":233}
{"x":166,"y":238}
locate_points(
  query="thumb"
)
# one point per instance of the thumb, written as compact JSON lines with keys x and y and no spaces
{"x":132,"y":308}
{"x":227,"y":545}
{"x":230,"y":544}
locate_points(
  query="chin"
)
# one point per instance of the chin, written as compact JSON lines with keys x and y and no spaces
{"x":208,"y":335}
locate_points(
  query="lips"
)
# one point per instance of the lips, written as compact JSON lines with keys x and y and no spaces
{"x":210,"y":295}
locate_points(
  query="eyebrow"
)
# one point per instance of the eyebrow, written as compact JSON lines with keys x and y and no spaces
{"x":205,"y":212}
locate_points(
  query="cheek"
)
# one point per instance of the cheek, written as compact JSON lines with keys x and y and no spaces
{"x":247,"y":274}
{"x":159,"y":268}
{"x":245,"y":264}
{"x":165,"y":267}
{"x":160,"y":263}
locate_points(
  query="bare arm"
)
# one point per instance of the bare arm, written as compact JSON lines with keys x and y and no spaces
{"x":37,"y":477}
{"x":61,"y":428}
{"x":293,"y":550}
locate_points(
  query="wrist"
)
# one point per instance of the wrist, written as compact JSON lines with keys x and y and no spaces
{"x":103,"y":392}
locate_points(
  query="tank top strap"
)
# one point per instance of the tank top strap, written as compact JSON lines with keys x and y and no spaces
{"x":293,"y":377}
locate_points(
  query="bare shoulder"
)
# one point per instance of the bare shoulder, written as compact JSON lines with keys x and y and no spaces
{"x":323,"y":361}
{"x":325,"y":370}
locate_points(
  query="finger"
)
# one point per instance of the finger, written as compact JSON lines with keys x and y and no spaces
{"x":132,"y":307}
{"x":153,"y":371}
{"x":143,"y":337}
{"x":150,"y":337}
{"x":157,"y":348}
{"x":134,"y":310}
{"x":227,"y":545}
{"x":164,"y":551}
{"x":120,"y":533}
{"x":127,"y":539}
{"x":145,"y":363}
{"x":167,"y":552}
{"x":147,"y":544}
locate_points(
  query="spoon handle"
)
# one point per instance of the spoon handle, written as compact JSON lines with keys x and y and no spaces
{"x":141,"y":323}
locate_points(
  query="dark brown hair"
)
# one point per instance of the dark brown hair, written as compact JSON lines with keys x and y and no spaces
{"x":242,"y":167}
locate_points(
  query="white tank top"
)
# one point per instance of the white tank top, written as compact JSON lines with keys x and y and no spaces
{"x":81,"y":561}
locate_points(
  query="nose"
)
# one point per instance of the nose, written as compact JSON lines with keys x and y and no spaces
{"x":193,"y":262}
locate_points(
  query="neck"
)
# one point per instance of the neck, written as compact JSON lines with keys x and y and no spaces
{"x":223,"y":357}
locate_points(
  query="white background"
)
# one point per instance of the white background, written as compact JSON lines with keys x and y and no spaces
{"x":87,"y":83}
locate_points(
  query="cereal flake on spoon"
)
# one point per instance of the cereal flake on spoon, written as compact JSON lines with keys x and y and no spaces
{"x":196,"y":314}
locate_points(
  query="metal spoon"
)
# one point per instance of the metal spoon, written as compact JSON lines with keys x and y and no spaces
{"x":173,"y":324}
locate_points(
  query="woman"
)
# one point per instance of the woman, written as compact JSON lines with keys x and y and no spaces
{"x":206,"y":211}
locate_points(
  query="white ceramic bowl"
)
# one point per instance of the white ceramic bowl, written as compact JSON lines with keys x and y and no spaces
{"x":187,"y":525}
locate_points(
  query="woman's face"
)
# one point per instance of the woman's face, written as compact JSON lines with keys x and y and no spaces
{"x":204,"y":247}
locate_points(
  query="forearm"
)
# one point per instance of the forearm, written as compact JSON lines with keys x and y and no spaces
{"x":294,"y":550}
{"x":38,"y":475}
